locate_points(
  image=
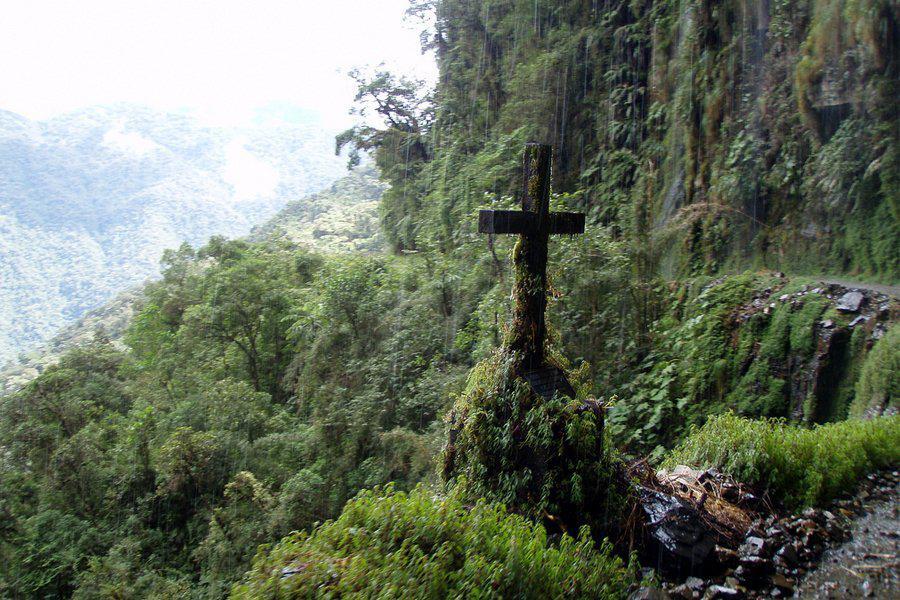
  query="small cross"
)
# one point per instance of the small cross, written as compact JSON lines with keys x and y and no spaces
{"x":534,"y":224}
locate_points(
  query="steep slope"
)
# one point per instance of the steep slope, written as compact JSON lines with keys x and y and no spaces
{"x":107,"y":322}
{"x":89,"y":200}
{"x":342,"y":218}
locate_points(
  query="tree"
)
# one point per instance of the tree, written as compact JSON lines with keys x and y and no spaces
{"x":400,"y":143}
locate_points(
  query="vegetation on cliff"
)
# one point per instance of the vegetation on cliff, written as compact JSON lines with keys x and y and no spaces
{"x":715,"y":135}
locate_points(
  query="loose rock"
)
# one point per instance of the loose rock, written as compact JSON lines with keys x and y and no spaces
{"x":717,"y":592}
{"x":850,"y":302}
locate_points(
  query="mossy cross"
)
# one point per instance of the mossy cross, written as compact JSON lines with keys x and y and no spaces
{"x":534,"y":224}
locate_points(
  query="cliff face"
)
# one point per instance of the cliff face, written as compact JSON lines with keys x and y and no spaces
{"x":712,"y":133}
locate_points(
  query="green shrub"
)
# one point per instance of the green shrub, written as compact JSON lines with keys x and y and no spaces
{"x":424,"y":545}
{"x":798,"y":466}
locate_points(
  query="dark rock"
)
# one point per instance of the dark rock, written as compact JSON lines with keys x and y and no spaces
{"x":753,"y":546}
{"x":695,"y":584}
{"x":757,"y":564}
{"x":691,"y":589}
{"x":858,"y":320}
{"x":783,"y":583}
{"x":788,"y":554}
{"x":774,"y":532}
{"x":850,"y":302}
{"x":754,"y":569}
{"x":808,"y":526}
{"x":676,"y":526}
{"x":726,"y":556}
{"x":683,"y":591}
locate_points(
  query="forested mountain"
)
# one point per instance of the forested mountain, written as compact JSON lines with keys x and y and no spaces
{"x":340,"y":218}
{"x":89,"y":200}
{"x":737,"y":162}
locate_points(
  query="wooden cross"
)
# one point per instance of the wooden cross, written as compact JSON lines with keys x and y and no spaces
{"x":534,"y":224}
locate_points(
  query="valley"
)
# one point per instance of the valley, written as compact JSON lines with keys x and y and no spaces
{"x":89,"y":201}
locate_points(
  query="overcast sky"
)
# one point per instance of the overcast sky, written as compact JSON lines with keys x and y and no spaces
{"x":218,"y":58}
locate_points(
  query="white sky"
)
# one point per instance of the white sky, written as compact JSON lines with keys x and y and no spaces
{"x":218,"y":58}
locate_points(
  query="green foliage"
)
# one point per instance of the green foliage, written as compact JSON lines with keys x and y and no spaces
{"x":342,"y":218}
{"x":264,"y":387}
{"x":60,"y":259}
{"x":798,"y":466}
{"x":400,"y":148}
{"x":705,"y":126}
{"x":237,"y":526}
{"x":425,"y":545}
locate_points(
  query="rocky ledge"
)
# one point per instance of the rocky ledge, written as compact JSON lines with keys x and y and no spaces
{"x":847,"y":550}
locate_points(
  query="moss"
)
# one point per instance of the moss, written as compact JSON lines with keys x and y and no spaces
{"x":786,"y":344}
{"x":542,"y":458}
{"x":803,"y":324}
{"x":797,"y":466}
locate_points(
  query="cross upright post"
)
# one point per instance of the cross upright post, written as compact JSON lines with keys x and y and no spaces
{"x":534,"y":224}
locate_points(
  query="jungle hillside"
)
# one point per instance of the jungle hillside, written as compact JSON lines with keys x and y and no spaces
{"x":336,"y":405}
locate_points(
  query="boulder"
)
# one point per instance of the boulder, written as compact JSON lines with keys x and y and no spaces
{"x":676,"y":526}
{"x":850,"y":302}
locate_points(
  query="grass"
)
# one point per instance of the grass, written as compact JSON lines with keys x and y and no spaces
{"x":796,"y":465}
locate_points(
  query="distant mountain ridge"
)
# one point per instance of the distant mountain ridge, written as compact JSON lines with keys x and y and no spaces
{"x":340,"y":218}
{"x":89,"y":200}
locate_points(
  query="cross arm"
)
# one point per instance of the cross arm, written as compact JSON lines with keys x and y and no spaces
{"x":505,"y":221}
{"x":517,"y":221}
{"x":567,"y":222}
